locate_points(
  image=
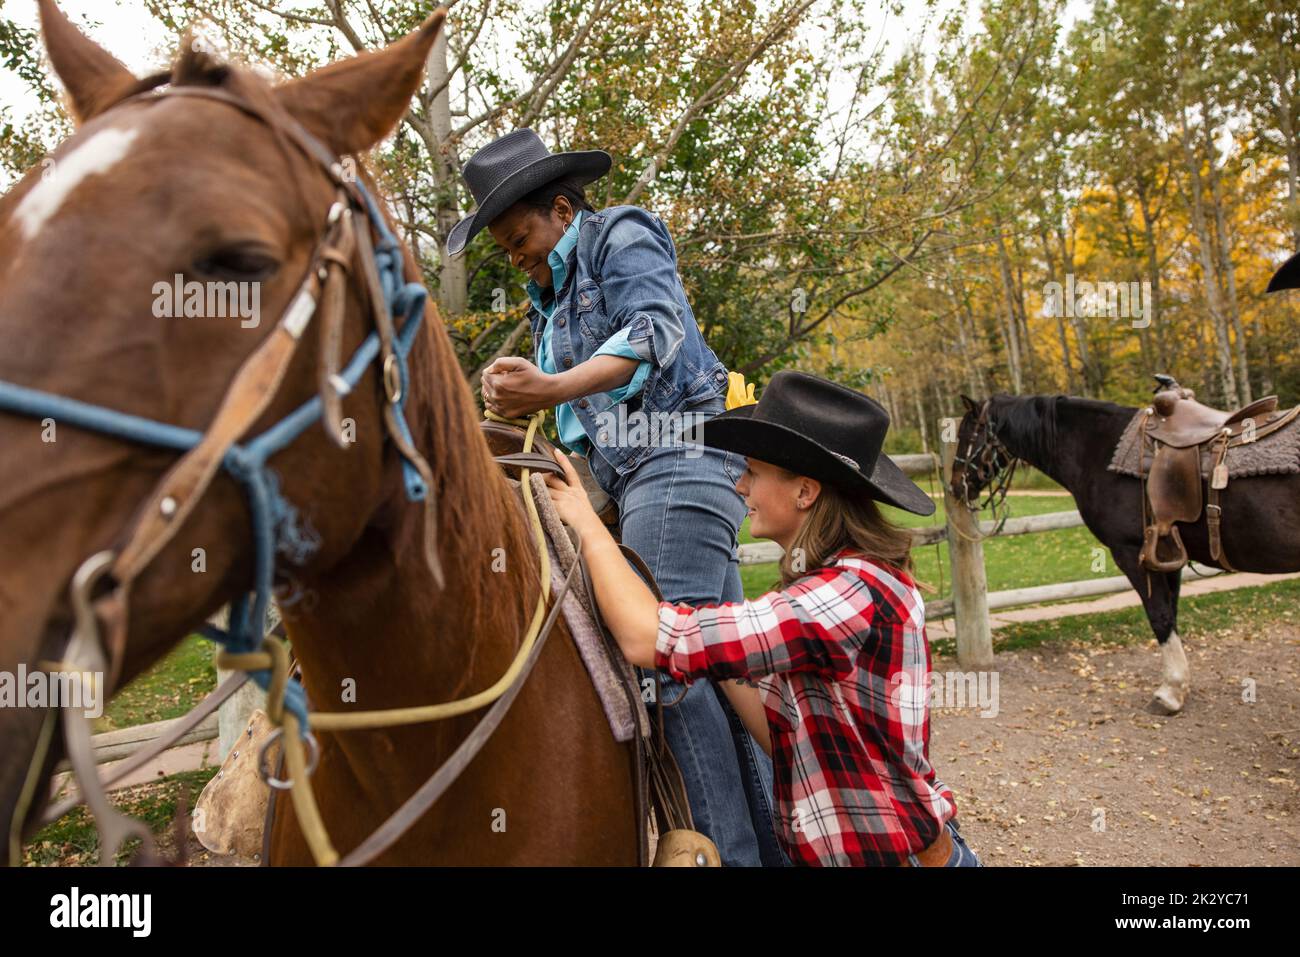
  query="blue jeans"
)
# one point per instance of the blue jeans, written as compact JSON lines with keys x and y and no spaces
{"x":961,"y":856}
{"x":680,"y":511}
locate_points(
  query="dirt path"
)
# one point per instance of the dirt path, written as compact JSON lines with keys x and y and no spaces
{"x":1072,"y":770}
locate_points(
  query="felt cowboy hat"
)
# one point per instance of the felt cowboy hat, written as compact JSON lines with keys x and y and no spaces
{"x":511,"y":167}
{"x":815,"y":427}
{"x":1287,"y":275}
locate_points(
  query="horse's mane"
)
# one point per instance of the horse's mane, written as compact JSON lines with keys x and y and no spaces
{"x":1028,"y":422}
{"x":1031,"y":421}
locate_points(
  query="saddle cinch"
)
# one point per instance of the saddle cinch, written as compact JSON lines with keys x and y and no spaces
{"x":1185,"y":444}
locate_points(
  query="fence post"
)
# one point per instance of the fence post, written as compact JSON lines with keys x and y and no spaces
{"x":233,"y":715}
{"x":969,"y":585}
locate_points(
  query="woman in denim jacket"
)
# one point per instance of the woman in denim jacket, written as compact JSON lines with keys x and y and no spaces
{"x":620,"y":358}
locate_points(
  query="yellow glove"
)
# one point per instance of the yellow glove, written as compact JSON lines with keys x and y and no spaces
{"x":738,"y":391}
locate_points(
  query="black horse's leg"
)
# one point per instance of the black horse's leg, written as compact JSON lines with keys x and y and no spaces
{"x":1161,"y":606}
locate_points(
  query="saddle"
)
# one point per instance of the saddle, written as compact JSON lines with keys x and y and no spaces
{"x":506,"y":443}
{"x":657,"y":779}
{"x":1185,"y":443}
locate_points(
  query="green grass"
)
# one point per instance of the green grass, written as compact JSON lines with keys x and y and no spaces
{"x":1018,"y":561}
{"x":174,"y":685}
{"x":1030,"y":478}
{"x":73,"y":841}
{"x":1256,"y":607}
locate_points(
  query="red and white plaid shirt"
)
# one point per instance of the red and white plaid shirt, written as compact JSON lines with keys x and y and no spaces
{"x":842,"y":665}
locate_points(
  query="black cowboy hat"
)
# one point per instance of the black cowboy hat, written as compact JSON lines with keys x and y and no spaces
{"x":511,"y":167}
{"x":1287,"y":275}
{"x":821,"y":429}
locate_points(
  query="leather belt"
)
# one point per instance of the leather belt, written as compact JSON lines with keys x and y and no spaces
{"x":937,"y":854}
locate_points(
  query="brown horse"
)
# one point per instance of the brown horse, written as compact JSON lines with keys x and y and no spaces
{"x":145,"y":192}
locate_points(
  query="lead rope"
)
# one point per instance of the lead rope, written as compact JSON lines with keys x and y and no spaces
{"x":997,"y":504}
{"x":29,"y":788}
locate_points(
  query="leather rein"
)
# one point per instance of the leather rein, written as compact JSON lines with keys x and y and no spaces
{"x":97,"y":646}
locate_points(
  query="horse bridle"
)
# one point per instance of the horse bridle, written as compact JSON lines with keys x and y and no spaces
{"x":989,"y":461}
{"x":98,"y":640}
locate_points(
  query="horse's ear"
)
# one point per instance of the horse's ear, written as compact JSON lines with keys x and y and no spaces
{"x":353,"y":104}
{"x":94,"y":79}
{"x":971,"y":404}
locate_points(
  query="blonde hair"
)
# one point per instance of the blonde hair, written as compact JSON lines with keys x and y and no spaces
{"x":842,"y":519}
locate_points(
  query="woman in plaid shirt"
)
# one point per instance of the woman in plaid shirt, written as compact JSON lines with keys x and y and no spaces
{"x":831,"y":673}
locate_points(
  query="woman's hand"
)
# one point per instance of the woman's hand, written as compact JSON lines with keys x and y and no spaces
{"x":570,"y":498}
{"x":513,"y":387}
{"x":630,"y":610}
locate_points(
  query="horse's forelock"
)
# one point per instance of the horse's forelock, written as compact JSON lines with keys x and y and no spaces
{"x":196,"y":67}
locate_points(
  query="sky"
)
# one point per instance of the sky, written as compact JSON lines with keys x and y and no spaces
{"x":134,"y":37}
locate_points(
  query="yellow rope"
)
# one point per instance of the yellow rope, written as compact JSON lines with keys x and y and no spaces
{"x":29,"y":788}
{"x":388,"y":717}
{"x":274,"y":655}
{"x":304,"y":800}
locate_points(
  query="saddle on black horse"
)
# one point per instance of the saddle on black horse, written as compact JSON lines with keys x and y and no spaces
{"x":1185,"y":453}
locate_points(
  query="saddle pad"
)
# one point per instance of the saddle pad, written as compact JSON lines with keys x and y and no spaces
{"x":1277,"y":453}
{"x":610,"y":673}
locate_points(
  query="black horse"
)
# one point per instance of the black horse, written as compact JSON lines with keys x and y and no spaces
{"x":1072,"y":439}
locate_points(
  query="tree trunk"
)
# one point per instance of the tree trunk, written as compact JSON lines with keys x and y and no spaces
{"x":1031,"y":358}
{"x":920,"y":417}
{"x":1086,"y":365}
{"x":1054,"y":276}
{"x":1153,"y":272}
{"x":964,"y":350}
{"x":1227,"y":379}
{"x":453,"y":290}
{"x":982,"y":390}
{"x":1143,"y":330}
{"x":1286,"y":123}
{"x":1012,"y":327}
{"x":1226,"y":271}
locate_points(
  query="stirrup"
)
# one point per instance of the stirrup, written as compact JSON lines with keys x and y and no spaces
{"x":1152,"y":542}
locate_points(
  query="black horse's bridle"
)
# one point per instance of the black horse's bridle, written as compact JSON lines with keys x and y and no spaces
{"x":987,"y":464}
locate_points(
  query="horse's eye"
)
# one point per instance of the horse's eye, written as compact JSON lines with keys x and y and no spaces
{"x":238,"y":263}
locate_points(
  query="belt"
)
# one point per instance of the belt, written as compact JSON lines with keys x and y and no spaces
{"x":938,"y":853}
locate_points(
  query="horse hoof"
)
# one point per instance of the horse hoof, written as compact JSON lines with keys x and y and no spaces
{"x":1164,"y":702}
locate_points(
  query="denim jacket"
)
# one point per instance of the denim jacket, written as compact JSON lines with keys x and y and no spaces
{"x":625,"y":277}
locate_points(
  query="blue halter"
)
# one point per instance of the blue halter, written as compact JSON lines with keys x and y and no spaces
{"x":275,"y":521}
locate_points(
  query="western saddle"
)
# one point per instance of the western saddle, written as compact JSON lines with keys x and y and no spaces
{"x":1182,"y":434}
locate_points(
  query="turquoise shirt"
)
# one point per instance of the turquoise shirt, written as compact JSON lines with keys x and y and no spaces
{"x":566,"y":420}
